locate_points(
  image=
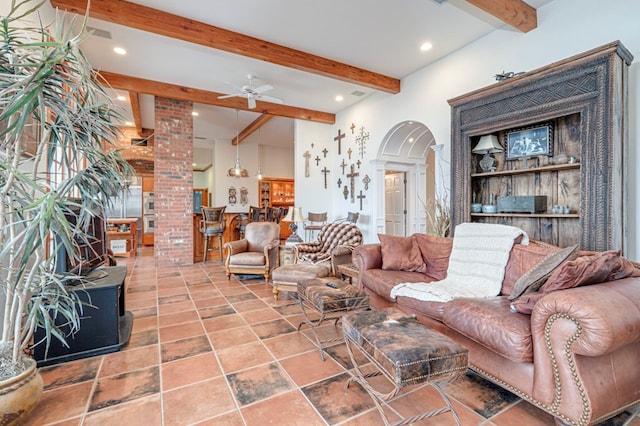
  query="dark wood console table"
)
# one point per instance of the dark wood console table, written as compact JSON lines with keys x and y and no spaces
{"x":105,"y":325}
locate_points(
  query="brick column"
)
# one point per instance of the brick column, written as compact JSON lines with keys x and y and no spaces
{"x":173,"y":182}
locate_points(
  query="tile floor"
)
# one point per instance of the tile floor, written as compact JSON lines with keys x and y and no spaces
{"x":208,"y":351}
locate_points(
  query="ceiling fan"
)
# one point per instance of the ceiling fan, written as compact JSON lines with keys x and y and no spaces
{"x":254,"y":93}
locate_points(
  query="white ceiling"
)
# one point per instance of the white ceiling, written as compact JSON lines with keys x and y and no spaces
{"x":378,"y":35}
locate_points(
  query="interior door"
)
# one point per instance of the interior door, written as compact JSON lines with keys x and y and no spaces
{"x":395,"y":204}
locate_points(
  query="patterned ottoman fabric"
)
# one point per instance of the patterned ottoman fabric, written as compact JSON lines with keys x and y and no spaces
{"x":326,"y":299}
{"x":407,"y":350}
{"x":296,"y":272}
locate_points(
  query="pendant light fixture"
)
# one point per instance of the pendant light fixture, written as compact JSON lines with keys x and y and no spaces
{"x":237,"y":171}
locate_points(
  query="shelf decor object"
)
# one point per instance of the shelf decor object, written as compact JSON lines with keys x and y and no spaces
{"x":488,"y":145}
{"x":294,"y":215}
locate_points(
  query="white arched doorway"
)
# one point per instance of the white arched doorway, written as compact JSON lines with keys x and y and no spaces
{"x":403,"y":152}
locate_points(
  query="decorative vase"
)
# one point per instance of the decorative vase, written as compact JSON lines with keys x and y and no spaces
{"x":19,"y":395}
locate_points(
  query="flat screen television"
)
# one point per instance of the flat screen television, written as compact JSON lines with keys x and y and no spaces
{"x":90,"y":245}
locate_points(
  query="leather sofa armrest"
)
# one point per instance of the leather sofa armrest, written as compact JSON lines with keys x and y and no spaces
{"x":608,"y":315}
{"x":367,"y":256}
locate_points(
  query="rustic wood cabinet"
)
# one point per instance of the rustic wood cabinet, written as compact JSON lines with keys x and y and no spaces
{"x":585,"y":97}
{"x":278,"y":192}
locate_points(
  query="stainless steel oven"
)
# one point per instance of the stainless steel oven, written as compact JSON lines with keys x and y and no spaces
{"x":148,"y":206}
{"x":148,"y":224}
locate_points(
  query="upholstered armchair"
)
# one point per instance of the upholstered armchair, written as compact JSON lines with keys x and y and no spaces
{"x":335,"y":243}
{"x":256,"y":253}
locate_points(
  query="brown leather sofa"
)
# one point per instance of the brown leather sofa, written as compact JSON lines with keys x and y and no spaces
{"x":576,"y":356}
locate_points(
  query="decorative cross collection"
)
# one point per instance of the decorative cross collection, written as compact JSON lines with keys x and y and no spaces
{"x":339,"y":140}
{"x":317,"y":160}
{"x":339,"y":183}
{"x":361,"y":139}
{"x":361,"y":197}
{"x":325,"y":152}
{"x":325,"y":171}
{"x":353,"y":176}
{"x":353,"y":127}
{"x":366,"y":182}
{"x":345,"y":192}
{"x":349,"y":151}
{"x":358,"y":163}
{"x":306,"y":156}
{"x":343,"y":165}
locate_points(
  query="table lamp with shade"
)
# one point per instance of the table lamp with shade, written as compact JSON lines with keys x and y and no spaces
{"x":294,"y":214}
{"x":488,"y":145}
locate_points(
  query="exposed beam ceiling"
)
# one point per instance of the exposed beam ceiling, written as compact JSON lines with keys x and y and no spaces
{"x":135,"y":111}
{"x":156,"y":21}
{"x":255,"y":125}
{"x":516,"y":13}
{"x":166,"y":90}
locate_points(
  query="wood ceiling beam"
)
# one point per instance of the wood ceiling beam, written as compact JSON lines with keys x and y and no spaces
{"x":158,"y":22}
{"x":516,"y":13}
{"x":173,"y":91}
{"x":255,"y":125}
{"x":135,"y":111}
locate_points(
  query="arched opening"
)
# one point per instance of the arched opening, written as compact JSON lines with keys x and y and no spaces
{"x":405,"y":178}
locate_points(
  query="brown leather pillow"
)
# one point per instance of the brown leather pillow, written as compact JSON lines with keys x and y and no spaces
{"x":435,"y":254}
{"x":584,"y":270}
{"x":536,"y":276}
{"x":400,"y":253}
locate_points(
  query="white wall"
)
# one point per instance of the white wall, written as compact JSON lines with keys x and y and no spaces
{"x":565,"y":28}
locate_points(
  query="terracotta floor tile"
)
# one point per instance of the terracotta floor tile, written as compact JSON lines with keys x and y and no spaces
{"x":143,"y":324}
{"x":260,"y":315}
{"x":178,"y":318}
{"x":171,"y":308}
{"x":209,"y":302}
{"x":140,"y":412}
{"x":240,"y":357}
{"x":522,"y":413}
{"x":273,"y":328}
{"x":177,"y":331}
{"x":232,"y":337}
{"x":182,"y":348}
{"x":124,"y":387}
{"x":482,"y":396}
{"x":124,"y":361}
{"x":215,"y":311}
{"x":289,"y":344}
{"x":186,"y":371}
{"x":138,"y":304}
{"x":196,"y":402}
{"x":309,"y":367}
{"x":258,"y":383}
{"x":289,"y":409}
{"x":241,"y":297}
{"x":223,"y":323}
{"x":176,"y":298}
{"x":143,"y":338}
{"x":78,"y":371}
{"x":172,"y":291}
{"x":208,"y":293}
{"x":229,"y":419}
{"x":151,"y":311}
{"x":130,"y":297}
{"x":250,"y":305}
{"x":61,"y":403}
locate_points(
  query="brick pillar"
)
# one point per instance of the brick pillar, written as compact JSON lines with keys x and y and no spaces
{"x":173,"y":182}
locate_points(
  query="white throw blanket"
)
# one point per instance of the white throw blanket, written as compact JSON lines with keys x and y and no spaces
{"x":476,"y":266}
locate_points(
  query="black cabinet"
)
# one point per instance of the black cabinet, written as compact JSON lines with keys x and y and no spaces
{"x":105,"y":325}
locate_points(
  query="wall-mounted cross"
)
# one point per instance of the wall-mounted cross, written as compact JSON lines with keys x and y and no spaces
{"x":366,"y":182}
{"x":353,"y":127}
{"x":306,"y":156}
{"x":325,"y":171}
{"x":317,"y":160}
{"x":339,"y":183}
{"x":353,"y":176}
{"x":343,"y":165}
{"x":345,"y":192}
{"x":361,"y":197}
{"x":339,"y":140}
{"x":361,"y":139}
{"x":349,"y":151}
{"x":325,"y":151}
{"x":358,"y":163}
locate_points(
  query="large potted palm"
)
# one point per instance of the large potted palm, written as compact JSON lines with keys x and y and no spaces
{"x":56,"y":172}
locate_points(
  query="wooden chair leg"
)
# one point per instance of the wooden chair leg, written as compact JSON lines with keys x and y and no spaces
{"x":220,"y":245}
{"x":206,"y":248}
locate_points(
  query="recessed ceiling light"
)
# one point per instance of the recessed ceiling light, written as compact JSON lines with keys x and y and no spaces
{"x":339,"y":98}
{"x":121,"y":98}
{"x":195,"y":113}
{"x":128,"y":123}
{"x":425,"y":46}
{"x":119,"y":50}
{"x":411,"y":140}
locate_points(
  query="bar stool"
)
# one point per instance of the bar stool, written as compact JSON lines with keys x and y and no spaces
{"x":212,"y":224}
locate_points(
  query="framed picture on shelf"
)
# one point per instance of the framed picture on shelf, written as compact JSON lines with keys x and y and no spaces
{"x":529,"y":141}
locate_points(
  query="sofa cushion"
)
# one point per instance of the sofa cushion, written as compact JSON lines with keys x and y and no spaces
{"x":381,"y":281}
{"x":400,"y":253}
{"x":435,"y":254}
{"x":490,"y":323}
{"x":585,"y":270}
{"x":433,"y":310}
{"x":521,"y":260}
{"x":533,"y":279}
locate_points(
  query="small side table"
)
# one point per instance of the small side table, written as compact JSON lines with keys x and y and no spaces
{"x":331,"y":298}
{"x":348,"y":270}
{"x":405,"y":352}
{"x":286,"y":255}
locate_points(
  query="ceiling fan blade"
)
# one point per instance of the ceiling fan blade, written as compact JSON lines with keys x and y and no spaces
{"x":271,"y":99}
{"x":252,"y":102}
{"x":263,"y":88}
{"x":230,"y":96}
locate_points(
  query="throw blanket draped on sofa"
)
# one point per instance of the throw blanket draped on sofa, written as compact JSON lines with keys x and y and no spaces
{"x":476,"y":266}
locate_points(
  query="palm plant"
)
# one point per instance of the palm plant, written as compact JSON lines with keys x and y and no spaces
{"x":57,"y":170}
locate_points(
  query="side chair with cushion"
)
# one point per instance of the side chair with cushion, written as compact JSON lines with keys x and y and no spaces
{"x":314,"y":223}
{"x":335,"y":243}
{"x":352,"y":217}
{"x":212,"y":224}
{"x":257,"y":253}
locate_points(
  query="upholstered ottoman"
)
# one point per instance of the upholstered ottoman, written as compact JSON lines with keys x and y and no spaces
{"x":286,"y":277}
{"x":331,"y":298}
{"x":404,"y":351}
